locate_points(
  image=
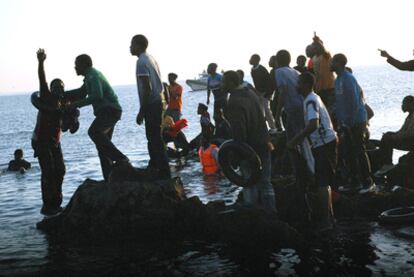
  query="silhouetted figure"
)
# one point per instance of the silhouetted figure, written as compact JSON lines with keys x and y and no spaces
{"x":301,"y":64}
{"x":213,"y":86}
{"x":46,"y":140}
{"x":262,"y":83}
{"x":351,"y":117}
{"x":19,"y":164}
{"x":244,"y":112}
{"x":406,"y":66}
{"x":403,"y":139}
{"x":150,"y":91}
{"x":175,"y":104}
{"x":97,"y":91}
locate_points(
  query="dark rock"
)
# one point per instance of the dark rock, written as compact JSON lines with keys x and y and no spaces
{"x":128,"y":211}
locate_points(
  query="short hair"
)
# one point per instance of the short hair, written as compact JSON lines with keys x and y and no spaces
{"x":283,"y":58}
{"x":341,"y":59}
{"x":301,"y":57}
{"x":241,"y":73}
{"x":173,"y":75}
{"x":85,"y":60}
{"x":307,"y":78}
{"x":409,"y":99}
{"x":141,"y":40}
{"x":256,"y":56}
{"x":232,"y":76}
{"x":212,"y":65}
{"x":202,"y":106}
{"x":18,"y":152}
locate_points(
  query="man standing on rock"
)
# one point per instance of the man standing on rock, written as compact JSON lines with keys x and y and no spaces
{"x":150,"y":92}
{"x":96,"y":91}
{"x":244,"y":112}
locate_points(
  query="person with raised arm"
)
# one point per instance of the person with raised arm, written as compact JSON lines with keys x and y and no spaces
{"x":46,"y":140}
{"x":406,"y":66}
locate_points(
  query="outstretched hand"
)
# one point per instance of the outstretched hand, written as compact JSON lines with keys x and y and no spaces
{"x":41,"y":55}
{"x":384,"y":53}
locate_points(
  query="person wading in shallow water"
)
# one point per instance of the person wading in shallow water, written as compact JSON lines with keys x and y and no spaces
{"x":96,"y":91}
{"x":46,"y":140}
{"x":150,"y":92}
{"x":245,"y":115}
{"x":19,"y":164}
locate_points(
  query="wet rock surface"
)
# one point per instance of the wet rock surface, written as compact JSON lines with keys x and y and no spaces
{"x":122,"y":211}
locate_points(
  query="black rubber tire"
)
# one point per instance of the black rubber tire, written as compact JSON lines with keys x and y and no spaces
{"x":402,"y":215}
{"x":244,"y":153}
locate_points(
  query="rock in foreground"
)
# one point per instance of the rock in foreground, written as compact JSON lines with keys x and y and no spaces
{"x":143,"y":210}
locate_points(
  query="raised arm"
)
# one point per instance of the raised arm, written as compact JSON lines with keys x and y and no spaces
{"x":406,"y":66}
{"x":43,"y":88}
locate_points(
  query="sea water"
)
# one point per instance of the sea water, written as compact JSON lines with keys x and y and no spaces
{"x":25,"y":250}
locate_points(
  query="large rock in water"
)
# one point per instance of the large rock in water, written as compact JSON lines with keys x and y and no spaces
{"x":142,"y":210}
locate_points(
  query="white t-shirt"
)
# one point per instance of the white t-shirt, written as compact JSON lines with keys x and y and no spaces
{"x":147,"y":66}
{"x":314,"y":108}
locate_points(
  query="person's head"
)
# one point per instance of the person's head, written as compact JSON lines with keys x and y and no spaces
{"x":82,"y":63}
{"x":241,"y":75}
{"x":231,"y":80}
{"x":139,"y":44}
{"x":408,"y":104}
{"x":201,"y":108}
{"x":282,"y":58}
{"x":306,"y":81}
{"x":254,"y":60}
{"x":338,"y":63}
{"x":272,"y":62}
{"x":172,"y":77}
{"x":310,"y":51}
{"x":57,"y":87}
{"x":301,"y":61}
{"x":18,"y":154}
{"x":212,"y":68}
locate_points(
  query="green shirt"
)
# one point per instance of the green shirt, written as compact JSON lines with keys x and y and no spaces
{"x":99,"y":92}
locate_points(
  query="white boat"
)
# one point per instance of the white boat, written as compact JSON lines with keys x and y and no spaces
{"x":199,"y":83}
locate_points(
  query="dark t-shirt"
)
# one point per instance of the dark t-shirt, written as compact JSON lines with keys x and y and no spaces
{"x":16,"y":165}
{"x":261,"y":80}
{"x":48,"y":125}
{"x":246,"y":119}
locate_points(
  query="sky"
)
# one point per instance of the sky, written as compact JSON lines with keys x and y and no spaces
{"x":185,"y":35}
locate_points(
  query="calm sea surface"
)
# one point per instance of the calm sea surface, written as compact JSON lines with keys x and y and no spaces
{"x":25,"y":250}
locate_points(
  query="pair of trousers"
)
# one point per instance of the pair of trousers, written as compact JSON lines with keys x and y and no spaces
{"x":53,"y":171}
{"x":387,"y":146}
{"x":156,"y":146}
{"x":100,"y":132}
{"x":262,"y":193}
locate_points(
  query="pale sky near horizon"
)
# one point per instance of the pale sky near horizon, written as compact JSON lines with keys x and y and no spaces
{"x":184,"y":36}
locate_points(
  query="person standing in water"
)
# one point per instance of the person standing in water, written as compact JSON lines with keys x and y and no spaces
{"x":46,"y":140}
{"x":19,"y":164}
{"x":97,"y":91}
{"x":150,"y":93}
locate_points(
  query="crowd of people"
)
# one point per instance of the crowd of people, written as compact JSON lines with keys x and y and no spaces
{"x":318,"y":103}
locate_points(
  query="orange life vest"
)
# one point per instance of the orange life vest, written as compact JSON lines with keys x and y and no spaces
{"x":207,"y":159}
{"x":180,"y":124}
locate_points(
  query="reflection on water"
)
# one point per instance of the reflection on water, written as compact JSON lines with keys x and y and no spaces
{"x":24,"y":250}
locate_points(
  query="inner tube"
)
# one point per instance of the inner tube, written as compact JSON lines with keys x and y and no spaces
{"x":239,"y":163}
{"x":402,"y":215}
